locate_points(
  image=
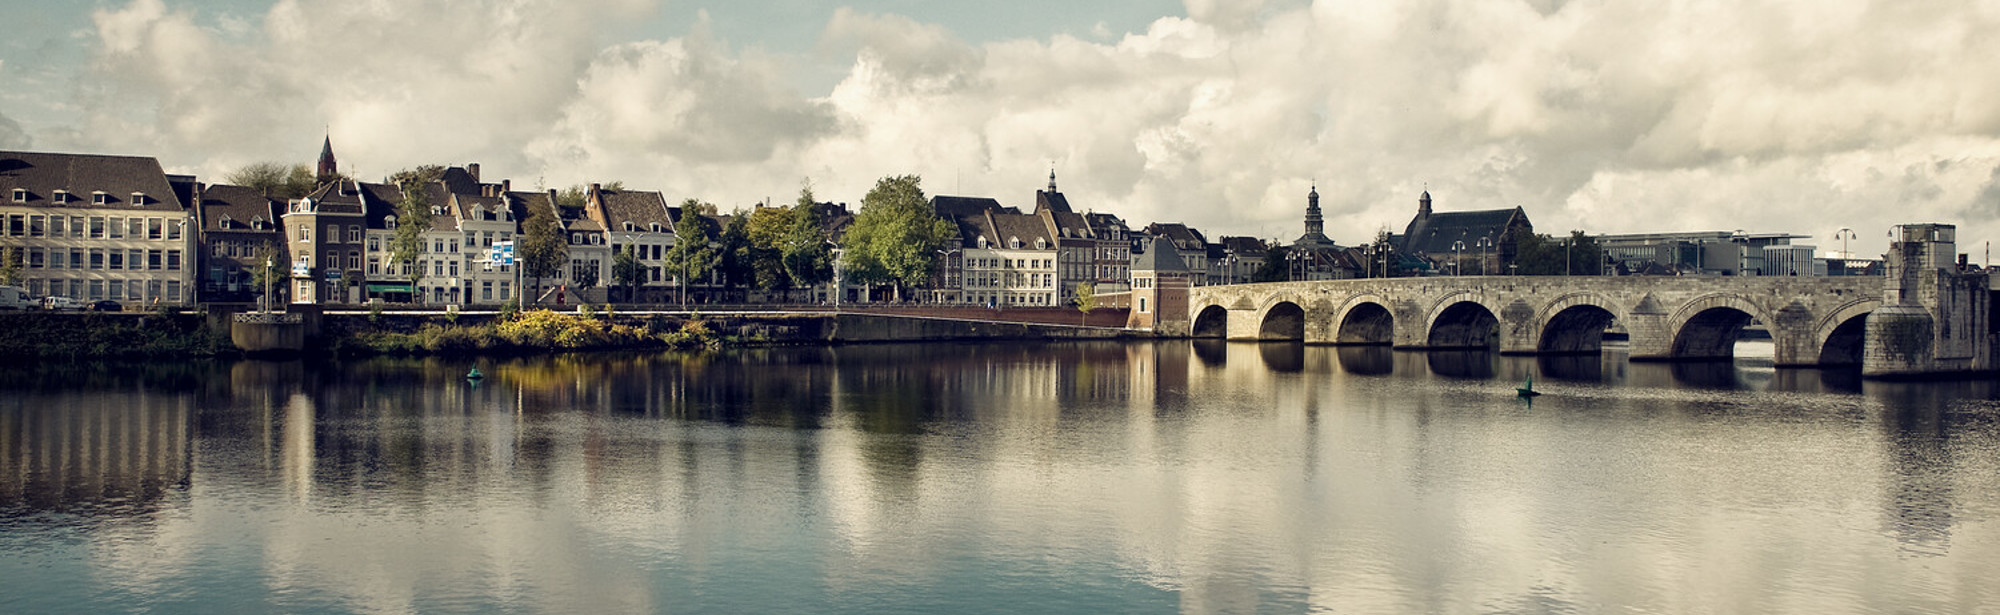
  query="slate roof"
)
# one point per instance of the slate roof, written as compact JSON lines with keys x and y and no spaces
{"x":242,"y":206}
{"x":81,"y":175}
{"x":527,"y":203}
{"x":1245,"y":246}
{"x":1160,"y":256}
{"x":1053,"y":201}
{"x":963,"y":205}
{"x":1025,"y":227}
{"x":1103,"y":225}
{"x":475,"y":207}
{"x":640,"y":208}
{"x":1067,"y":225}
{"x":1184,"y":238}
{"x":1436,"y":233}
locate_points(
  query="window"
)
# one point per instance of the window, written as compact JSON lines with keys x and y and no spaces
{"x":332,"y":233}
{"x":135,"y":259}
{"x":77,"y":227}
{"x":20,"y":196}
{"x":62,"y":197}
{"x":353,"y":259}
{"x":173,"y":294}
{"x":117,"y":260}
{"x":453,"y":249}
{"x":354,"y":233}
{"x":153,"y":260}
{"x":117,"y":288}
{"x":138,"y":198}
{"x":1142,"y":306}
{"x":389,"y":223}
{"x":173,"y":260}
{"x":155,"y":225}
{"x":99,"y":198}
{"x":136,"y":292}
{"x":96,"y":259}
{"x":305,"y":233}
{"x":139,"y":228}
{"x":374,"y":266}
{"x":34,"y":258}
{"x":96,"y":290}
{"x":115,"y":228}
{"x":224,"y":221}
{"x":97,"y":227}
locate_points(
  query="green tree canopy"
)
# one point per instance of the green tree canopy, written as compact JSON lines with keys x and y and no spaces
{"x":692,"y":257}
{"x":1577,"y":254}
{"x":274,"y":179}
{"x":540,"y":249}
{"x":626,"y":270}
{"x":10,"y":265}
{"x":413,"y":219}
{"x":805,"y":254}
{"x":896,"y":235}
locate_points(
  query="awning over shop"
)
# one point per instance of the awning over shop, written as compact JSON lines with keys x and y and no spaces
{"x":390,"y":287}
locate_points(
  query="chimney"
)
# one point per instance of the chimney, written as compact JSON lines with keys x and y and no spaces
{"x":506,"y":186}
{"x":472,"y":168}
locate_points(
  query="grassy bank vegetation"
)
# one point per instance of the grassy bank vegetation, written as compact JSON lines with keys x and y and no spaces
{"x":529,"y":332}
{"x":108,"y":336}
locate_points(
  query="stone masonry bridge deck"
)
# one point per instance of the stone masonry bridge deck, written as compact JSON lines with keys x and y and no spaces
{"x":1812,"y":320}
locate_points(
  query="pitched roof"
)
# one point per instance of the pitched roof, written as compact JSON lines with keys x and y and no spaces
{"x":40,"y":175}
{"x":241,"y":206}
{"x":1160,"y":255}
{"x":1184,"y":238}
{"x":641,"y":209}
{"x":963,"y":205}
{"x":1245,"y":246}
{"x":1052,"y":201}
{"x":1439,"y":232}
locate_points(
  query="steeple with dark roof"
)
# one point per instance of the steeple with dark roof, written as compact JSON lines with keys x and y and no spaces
{"x":1315,"y":237}
{"x":1424,"y":205}
{"x":329,"y":169}
{"x":1052,"y":179}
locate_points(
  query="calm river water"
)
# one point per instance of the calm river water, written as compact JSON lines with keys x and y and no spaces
{"x":1073,"y":478}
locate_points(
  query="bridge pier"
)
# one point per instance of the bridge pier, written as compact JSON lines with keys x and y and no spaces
{"x":1936,"y":319}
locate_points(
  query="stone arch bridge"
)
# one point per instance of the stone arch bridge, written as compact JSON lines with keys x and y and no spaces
{"x":1812,"y":320}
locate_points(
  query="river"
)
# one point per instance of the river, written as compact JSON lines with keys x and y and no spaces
{"x":1103,"y":477}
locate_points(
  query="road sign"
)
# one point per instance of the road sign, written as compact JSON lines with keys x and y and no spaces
{"x":502,"y":254}
{"x":333,"y":275}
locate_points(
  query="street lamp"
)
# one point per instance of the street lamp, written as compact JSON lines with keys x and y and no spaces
{"x":1485,"y":246}
{"x":268,"y":264}
{"x":1457,"y":256}
{"x":1843,"y":235}
{"x":944,"y":268}
{"x":1566,"y":249}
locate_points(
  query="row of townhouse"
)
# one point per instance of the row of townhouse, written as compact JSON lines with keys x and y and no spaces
{"x":118,"y":227}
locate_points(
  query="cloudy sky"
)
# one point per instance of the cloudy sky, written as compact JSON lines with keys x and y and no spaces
{"x":1800,"y":116}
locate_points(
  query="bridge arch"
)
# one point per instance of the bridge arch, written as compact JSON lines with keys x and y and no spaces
{"x":1212,"y":321}
{"x":1708,"y":327}
{"x":1283,"y":320}
{"x":1364,"y":320}
{"x":1574,"y":324}
{"x":1462,"y":322}
{"x":1839,"y":334}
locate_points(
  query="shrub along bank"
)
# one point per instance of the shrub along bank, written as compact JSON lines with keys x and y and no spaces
{"x":524,"y":332}
{"x":43,"y":335}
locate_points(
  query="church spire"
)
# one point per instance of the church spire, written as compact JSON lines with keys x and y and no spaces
{"x":329,"y":169}
{"x":1052,"y":179}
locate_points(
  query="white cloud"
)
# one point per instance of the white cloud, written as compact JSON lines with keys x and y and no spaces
{"x":1609,"y":115}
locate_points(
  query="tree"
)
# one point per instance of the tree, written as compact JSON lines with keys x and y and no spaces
{"x":10,"y":266}
{"x":896,"y":236}
{"x":766,"y":227}
{"x":1276,"y":266}
{"x":1542,"y":255}
{"x":271,"y":274}
{"x":540,"y":249}
{"x":413,"y":219}
{"x":626,"y":270}
{"x":1085,"y":300}
{"x":739,"y":261}
{"x":275,"y":179}
{"x":691,"y":257}
{"x":803,"y":249}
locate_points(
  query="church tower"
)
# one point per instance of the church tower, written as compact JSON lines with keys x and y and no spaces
{"x":329,"y":169}
{"x":1315,"y":237}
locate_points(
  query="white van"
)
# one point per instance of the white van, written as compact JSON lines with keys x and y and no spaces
{"x":61,"y":304}
{"x":13,"y":298}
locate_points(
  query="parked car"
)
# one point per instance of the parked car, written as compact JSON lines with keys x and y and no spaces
{"x":60,"y":303}
{"x":107,"y":305}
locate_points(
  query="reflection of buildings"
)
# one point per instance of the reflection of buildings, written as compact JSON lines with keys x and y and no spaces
{"x":92,"y":454}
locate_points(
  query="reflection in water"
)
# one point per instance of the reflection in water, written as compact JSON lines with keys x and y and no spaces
{"x":1470,"y":364}
{"x":1375,"y":360}
{"x":1283,"y":357}
{"x":1087,"y":477}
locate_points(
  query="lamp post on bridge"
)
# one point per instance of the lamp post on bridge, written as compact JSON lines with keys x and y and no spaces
{"x":1485,"y":246}
{"x":1843,"y":235}
{"x":1458,"y":258}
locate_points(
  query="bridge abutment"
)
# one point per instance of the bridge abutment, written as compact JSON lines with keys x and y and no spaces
{"x":1935,"y":320}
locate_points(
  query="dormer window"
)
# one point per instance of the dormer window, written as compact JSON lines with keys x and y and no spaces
{"x":138,"y":198}
{"x":629,"y":227}
{"x":99,"y":198}
{"x":20,"y":195}
{"x":62,"y":197}
{"x":389,"y":223}
{"x":1014,"y":243}
{"x":1041,"y":244}
{"x":982,"y":242}
{"x":224,"y":221}
{"x":656,"y":227}
{"x":257,"y":223}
